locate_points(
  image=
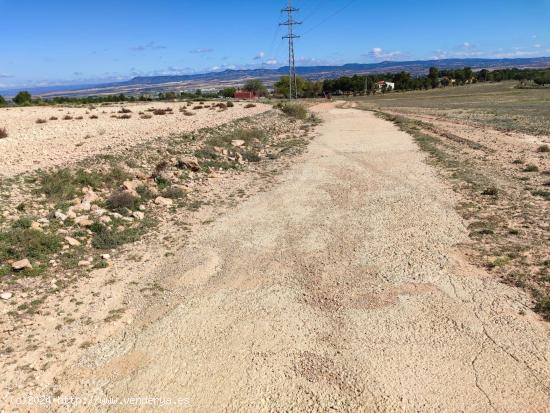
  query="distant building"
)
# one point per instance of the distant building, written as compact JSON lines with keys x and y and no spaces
{"x":388,"y":85}
{"x":245,"y":94}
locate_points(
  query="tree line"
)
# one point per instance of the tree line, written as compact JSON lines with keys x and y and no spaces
{"x":356,"y":84}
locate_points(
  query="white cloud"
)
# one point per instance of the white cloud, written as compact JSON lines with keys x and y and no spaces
{"x":271,"y":62}
{"x":378,"y":53}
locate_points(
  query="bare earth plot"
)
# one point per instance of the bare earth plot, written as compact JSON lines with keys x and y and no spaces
{"x":70,"y":134}
{"x":340,"y":289}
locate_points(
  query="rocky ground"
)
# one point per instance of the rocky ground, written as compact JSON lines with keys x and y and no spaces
{"x":45,"y":136}
{"x":75,"y":242}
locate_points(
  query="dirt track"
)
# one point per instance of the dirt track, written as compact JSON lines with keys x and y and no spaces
{"x":338,"y":290}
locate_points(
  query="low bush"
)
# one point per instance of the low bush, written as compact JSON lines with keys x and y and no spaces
{"x":125,"y":116}
{"x":67,"y":117}
{"x":94,"y":117}
{"x":173,"y":192}
{"x":124,"y":110}
{"x":531,"y":168}
{"x":53,"y":118}
{"x":229,"y":104}
{"x":159,"y":112}
{"x":3,"y":133}
{"x":121,"y":200}
{"x":249,"y":105}
{"x":543,"y":148}
{"x":146,"y":116}
{"x":294,"y":110}
{"x":41,"y":120}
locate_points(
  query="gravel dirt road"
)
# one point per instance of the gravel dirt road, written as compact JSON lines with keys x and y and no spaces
{"x":340,"y":289}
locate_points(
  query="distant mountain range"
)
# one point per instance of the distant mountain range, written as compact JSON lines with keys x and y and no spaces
{"x":215,"y":80}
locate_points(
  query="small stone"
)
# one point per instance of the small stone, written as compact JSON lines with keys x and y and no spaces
{"x":83,"y":263}
{"x":60,"y":216}
{"x":35,"y":225}
{"x":159,"y":200}
{"x":142,"y":208}
{"x":138,"y":215}
{"x":71,"y":214}
{"x":105,"y":256}
{"x":83,"y":221}
{"x":6,"y":296}
{"x":237,"y":142}
{"x":132,"y":185}
{"x":83,"y":206}
{"x":90,"y":196}
{"x":44,"y":221}
{"x":72,"y":242}
{"x":105,"y":219}
{"x":21,"y":264}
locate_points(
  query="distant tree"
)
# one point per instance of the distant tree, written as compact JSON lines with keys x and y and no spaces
{"x":23,"y":98}
{"x":198,"y":92}
{"x":434,"y":77}
{"x":256,"y":86}
{"x":543,"y":79}
{"x":170,"y":95}
{"x":228,"y":92}
{"x":2,"y":101}
{"x":468,"y":73}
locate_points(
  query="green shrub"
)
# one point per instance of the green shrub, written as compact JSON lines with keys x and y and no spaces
{"x":41,"y":121}
{"x":543,"y":148}
{"x":3,"y":133}
{"x":24,"y":222}
{"x":2,"y":101}
{"x":19,"y":243}
{"x":58,"y":185}
{"x":229,"y":104}
{"x":294,"y":110}
{"x":23,"y":98}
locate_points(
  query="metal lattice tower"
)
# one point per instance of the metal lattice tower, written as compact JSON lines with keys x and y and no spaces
{"x":292,"y":84}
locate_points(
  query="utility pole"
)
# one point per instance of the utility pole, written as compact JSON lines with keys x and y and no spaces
{"x":292,"y":84}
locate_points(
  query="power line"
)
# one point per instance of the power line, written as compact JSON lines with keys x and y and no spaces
{"x":329,"y":17}
{"x":290,"y":22}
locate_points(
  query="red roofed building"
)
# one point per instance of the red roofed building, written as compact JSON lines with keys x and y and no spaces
{"x":245,"y":94}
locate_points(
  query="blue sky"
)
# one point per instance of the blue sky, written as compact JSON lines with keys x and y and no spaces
{"x":47,"y":42}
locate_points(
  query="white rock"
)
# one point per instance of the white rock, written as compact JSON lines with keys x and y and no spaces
{"x":138,"y":215}
{"x":83,"y":221}
{"x":116,"y":215}
{"x":90,"y":196}
{"x":142,"y":208}
{"x":35,"y":225}
{"x":105,"y":219}
{"x":99,"y":211}
{"x":6,"y":296}
{"x":60,"y":216}
{"x":83,"y":263}
{"x":72,"y":242}
{"x":237,"y":142}
{"x":132,"y":185}
{"x":159,"y":200}
{"x":44,"y":221}
{"x":105,"y":256}
{"x":21,"y":264}
{"x":83,"y":206}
